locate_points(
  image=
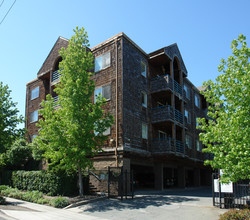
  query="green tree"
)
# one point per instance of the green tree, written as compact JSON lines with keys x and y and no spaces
{"x":226,"y":134}
{"x":9,"y":120}
{"x":71,"y":134}
{"x":19,"y":153}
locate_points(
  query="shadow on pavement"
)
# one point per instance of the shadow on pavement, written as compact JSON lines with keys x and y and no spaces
{"x":137,"y":203}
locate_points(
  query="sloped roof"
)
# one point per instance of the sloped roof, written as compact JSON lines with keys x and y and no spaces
{"x":48,"y":64}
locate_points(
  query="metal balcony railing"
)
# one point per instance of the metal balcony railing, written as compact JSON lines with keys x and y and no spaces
{"x":55,"y":76}
{"x":56,"y":101}
{"x":178,"y":116}
{"x":179,"y":146}
{"x":178,"y":88}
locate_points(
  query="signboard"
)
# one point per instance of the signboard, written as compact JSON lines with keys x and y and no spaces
{"x":216,"y":185}
{"x":224,"y":187}
{"x":227,"y":188}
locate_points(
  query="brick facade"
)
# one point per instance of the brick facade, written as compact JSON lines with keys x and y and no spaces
{"x":163,"y":152}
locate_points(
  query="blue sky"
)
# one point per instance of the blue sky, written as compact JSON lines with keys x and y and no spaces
{"x":203,"y":31}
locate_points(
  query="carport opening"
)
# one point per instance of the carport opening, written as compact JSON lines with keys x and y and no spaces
{"x":143,"y":176}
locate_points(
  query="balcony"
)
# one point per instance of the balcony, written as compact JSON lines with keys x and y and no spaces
{"x":55,"y":76}
{"x":161,"y":83}
{"x":162,"y":113}
{"x":167,"y":145}
{"x":166,"y":113}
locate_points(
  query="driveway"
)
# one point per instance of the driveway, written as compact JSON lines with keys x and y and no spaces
{"x":193,"y":204}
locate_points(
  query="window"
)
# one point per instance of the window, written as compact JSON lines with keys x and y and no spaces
{"x":32,"y":137}
{"x":188,"y":116}
{"x":196,"y":122}
{"x":198,"y":145}
{"x":162,"y":135}
{"x":33,"y":116}
{"x":144,"y":99}
{"x":144,"y":131}
{"x":34,"y":93}
{"x":187,"y":91}
{"x":102,"y":62}
{"x":104,"y":91}
{"x":143,"y":69}
{"x":188,"y":141}
{"x":106,"y":132}
{"x":197,"y":100}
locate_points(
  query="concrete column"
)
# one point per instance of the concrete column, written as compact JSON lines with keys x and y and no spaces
{"x":197,"y":181}
{"x":158,"y":170}
{"x":127,"y":173}
{"x":181,"y":177}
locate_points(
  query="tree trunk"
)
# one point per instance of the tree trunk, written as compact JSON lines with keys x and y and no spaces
{"x":80,"y":181}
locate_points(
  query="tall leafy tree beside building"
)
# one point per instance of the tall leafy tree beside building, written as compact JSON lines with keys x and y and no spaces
{"x":227,"y":133}
{"x":72,"y":133}
{"x":9,"y":120}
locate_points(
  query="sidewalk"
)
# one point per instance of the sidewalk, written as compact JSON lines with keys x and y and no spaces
{"x":32,"y":211}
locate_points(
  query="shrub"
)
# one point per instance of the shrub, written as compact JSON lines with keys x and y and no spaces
{"x":234,"y":214}
{"x":3,"y":187}
{"x":43,"y":201}
{"x":59,"y":202}
{"x":44,"y":181}
{"x":8,"y":191}
{"x":32,"y":196}
{"x":2,"y":200}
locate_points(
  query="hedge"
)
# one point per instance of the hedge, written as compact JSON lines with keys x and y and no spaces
{"x":44,"y":181}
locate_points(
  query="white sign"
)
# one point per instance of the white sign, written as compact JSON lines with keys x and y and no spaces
{"x":227,"y":188}
{"x":216,"y":185}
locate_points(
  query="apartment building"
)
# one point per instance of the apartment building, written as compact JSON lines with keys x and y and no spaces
{"x":154,"y":106}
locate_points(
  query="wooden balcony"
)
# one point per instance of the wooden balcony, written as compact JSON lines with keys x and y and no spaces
{"x":167,"y":145}
{"x":162,"y":113}
{"x":161,"y":83}
{"x":166,"y":113}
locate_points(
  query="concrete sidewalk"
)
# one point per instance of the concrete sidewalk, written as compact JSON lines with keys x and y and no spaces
{"x":30,"y":211}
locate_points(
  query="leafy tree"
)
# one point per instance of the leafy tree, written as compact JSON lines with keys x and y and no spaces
{"x":67,"y":134}
{"x":9,"y":120}
{"x":226,"y":134}
{"x":19,"y":153}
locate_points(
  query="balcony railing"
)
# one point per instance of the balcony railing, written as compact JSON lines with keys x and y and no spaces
{"x":178,"y":88}
{"x":162,"y":113}
{"x":55,"y":76}
{"x":167,"y":145}
{"x":179,"y":146}
{"x":161,"y":83}
{"x":178,"y":116}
